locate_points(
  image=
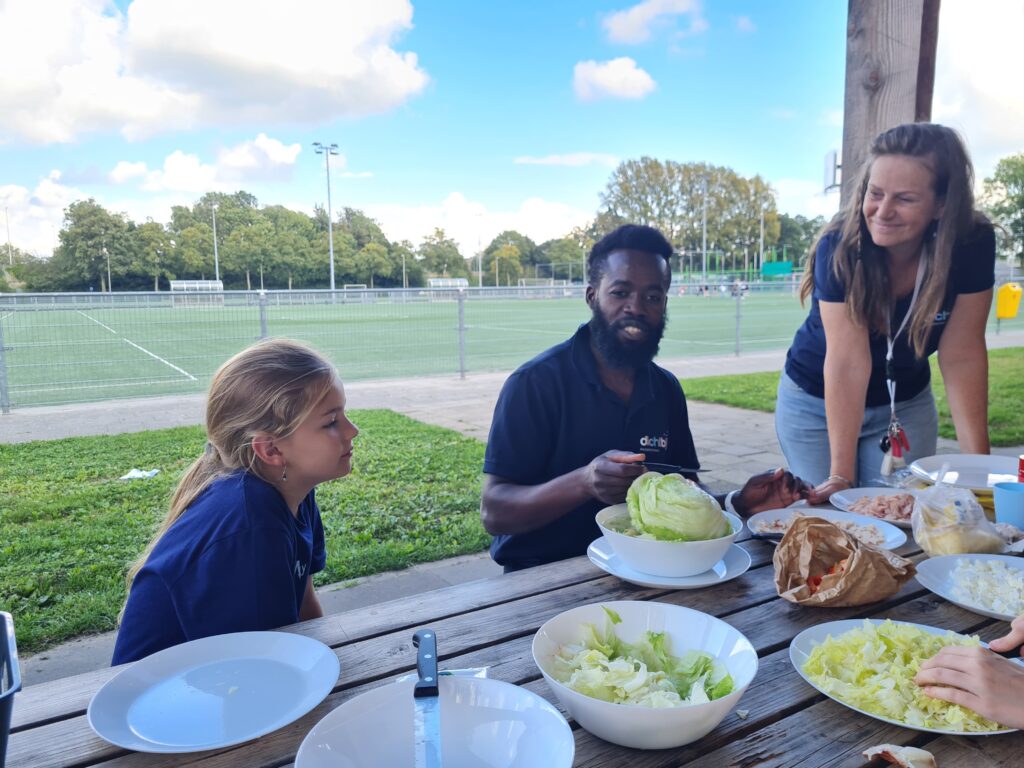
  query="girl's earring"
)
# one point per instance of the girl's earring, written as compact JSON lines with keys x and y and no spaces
{"x":284,"y":474}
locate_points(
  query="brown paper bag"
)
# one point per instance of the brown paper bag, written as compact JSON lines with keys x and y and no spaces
{"x":812,"y":546}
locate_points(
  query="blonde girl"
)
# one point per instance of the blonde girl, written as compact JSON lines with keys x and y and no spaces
{"x":243,"y":536}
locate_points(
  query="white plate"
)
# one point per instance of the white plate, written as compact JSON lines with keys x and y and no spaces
{"x":802,"y":645}
{"x":975,"y":471}
{"x":893,"y":536}
{"x":213,"y":692}
{"x":735,"y":563}
{"x":843,"y":500}
{"x":936,"y":574}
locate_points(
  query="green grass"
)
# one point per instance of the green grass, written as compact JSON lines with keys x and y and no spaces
{"x":756,"y":391}
{"x":69,"y":528}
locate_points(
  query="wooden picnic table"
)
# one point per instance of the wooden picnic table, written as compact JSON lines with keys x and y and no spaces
{"x":491,"y":623}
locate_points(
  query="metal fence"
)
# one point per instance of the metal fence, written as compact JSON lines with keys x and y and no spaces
{"x":65,"y":348}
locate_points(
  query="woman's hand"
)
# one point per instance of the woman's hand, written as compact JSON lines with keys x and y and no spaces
{"x":833,"y":484}
{"x":978,"y":679}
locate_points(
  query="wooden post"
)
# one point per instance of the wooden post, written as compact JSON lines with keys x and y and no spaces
{"x":890,"y":73}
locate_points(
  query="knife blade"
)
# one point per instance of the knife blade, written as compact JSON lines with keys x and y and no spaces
{"x":426,"y":694}
{"x":669,"y":468}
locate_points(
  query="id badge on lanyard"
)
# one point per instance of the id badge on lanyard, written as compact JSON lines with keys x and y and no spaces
{"x":894,"y":443}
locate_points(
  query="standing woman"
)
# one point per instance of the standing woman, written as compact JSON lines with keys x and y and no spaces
{"x":905,"y":269}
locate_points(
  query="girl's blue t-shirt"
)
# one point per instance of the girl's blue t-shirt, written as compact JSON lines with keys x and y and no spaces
{"x":236,"y":560}
{"x":973,"y":271}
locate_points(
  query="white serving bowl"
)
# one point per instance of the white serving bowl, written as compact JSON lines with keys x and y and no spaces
{"x":666,"y":558}
{"x":484,"y":724}
{"x":644,"y":727}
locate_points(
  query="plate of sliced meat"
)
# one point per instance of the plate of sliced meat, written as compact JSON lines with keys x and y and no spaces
{"x":894,"y":505}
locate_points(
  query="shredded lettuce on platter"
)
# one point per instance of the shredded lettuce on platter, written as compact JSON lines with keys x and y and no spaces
{"x":643,"y":673}
{"x":873,"y":668}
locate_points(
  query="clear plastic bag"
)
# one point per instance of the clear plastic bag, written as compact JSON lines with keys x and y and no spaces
{"x":950,"y":521}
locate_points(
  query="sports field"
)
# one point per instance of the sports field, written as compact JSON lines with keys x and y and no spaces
{"x":57,"y":354}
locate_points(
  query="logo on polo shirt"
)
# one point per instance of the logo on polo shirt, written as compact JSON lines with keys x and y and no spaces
{"x":654,"y":442}
{"x":300,"y":569}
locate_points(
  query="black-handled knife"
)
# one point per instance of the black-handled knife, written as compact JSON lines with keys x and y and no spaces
{"x":669,"y":469}
{"x":428,"y":705}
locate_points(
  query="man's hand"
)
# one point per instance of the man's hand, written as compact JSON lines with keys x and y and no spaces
{"x":608,"y":477}
{"x":771,"y":490}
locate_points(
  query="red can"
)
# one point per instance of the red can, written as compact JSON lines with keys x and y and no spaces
{"x":1020,"y":469}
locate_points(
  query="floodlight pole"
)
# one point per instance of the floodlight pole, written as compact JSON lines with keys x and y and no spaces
{"x":704,"y":238}
{"x":110,"y":284}
{"x":10,"y":251}
{"x":327,"y":150}
{"x":760,"y":254}
{"x":216,"y":258}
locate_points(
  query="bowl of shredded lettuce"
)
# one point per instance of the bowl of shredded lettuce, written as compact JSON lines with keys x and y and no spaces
{"x":668,"y":526}
{"x":869,"y":665}
{"x":645,"y":675}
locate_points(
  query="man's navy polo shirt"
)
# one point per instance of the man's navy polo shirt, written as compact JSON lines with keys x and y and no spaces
{"x":554,"y":415}
{"x":972,"y":271}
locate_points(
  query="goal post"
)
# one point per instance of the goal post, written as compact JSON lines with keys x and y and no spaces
{"x":197,"y":293}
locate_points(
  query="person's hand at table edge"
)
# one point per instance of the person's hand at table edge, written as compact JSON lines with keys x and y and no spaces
{"x":831,"y":484}
{"x":774,"y":489}
{"x":976,"y":678}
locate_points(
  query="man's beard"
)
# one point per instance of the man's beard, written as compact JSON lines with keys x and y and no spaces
{"x":625,"y":354}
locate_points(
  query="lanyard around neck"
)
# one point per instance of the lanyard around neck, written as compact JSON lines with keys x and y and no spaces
{"x":890,"y":373}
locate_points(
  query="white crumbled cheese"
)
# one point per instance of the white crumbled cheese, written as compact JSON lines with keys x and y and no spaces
{"x":989,"y":584}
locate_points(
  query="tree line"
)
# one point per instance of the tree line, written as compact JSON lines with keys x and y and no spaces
{"x":703,"y":210}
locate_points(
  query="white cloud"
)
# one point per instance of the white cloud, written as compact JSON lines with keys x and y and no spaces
{"x":572,"y":159}
{"x":182,"y":173}
{"x":261,"y":151}
{"x":978,"y":78}
{"x":472,"y":225}
{"x":619,"y":78}
{"x":35,"y":216}
{"x":799,"y":196}
{"x":261,"y":159}
{"x":783,"y":113}
{"x":745,"y":25}
{"x":635,"y":24}
{"x":69,"y":67}
{"x":125,"y":171}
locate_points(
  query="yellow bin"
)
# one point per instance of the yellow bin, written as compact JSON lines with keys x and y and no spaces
{"x":1008,"y":301}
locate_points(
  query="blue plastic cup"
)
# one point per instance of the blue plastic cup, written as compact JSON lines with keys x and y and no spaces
{"x":1009,"y":501}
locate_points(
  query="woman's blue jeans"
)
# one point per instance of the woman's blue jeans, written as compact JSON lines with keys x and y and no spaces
{"x":802,"y":430}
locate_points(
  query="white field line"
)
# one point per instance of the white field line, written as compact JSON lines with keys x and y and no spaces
{"x":141,"y":349}
{"x":157,"y":357}
{"x":4,"y":317}
{"x":101,"y":325}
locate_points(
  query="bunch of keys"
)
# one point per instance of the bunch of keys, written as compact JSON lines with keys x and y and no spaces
{"x":894,"y":444}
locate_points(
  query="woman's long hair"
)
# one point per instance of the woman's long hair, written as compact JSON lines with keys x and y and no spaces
{"x":271,"y":388}
{"x":863,"y":268}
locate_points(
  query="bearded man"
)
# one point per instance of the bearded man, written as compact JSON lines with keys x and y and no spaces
{"x":573,"y":426}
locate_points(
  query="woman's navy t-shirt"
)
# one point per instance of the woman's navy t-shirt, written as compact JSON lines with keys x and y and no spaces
{"x":973,"y":271}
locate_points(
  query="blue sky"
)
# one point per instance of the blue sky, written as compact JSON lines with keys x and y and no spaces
{"x":471,"y":116}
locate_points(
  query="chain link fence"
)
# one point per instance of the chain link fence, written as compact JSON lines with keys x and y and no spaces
{"x":66,"y":348}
